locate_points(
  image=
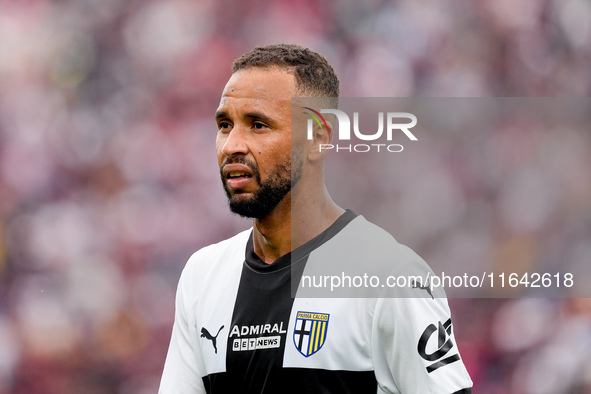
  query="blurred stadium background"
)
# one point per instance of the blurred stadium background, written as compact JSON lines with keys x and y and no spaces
{"x":108,"y":177}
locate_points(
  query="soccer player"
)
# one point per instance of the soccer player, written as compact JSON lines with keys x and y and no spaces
{"x":237,"y":327}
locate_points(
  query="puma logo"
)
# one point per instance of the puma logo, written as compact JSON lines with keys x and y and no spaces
{"x":427,"y":288}
{"x":206,"y":334}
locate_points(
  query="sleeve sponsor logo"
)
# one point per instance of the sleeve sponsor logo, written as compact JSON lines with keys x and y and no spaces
{"x":310,"y":332}
{"x":444,"y":345}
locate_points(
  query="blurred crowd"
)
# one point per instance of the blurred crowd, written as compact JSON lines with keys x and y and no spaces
{"x":108,"y":176}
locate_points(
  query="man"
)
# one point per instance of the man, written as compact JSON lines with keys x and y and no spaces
{"x":237,"y":327}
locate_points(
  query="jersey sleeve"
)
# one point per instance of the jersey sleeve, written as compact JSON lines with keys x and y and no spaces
{"x":181,"y":374}
{"x":414,"y":350}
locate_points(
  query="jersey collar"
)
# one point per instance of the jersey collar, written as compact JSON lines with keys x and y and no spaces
{"x":253,"y":261}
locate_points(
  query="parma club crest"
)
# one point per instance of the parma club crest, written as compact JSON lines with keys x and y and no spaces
{"x":310,"y":331}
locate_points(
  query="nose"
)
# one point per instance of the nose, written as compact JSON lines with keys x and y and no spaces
{"x":234,"y":142}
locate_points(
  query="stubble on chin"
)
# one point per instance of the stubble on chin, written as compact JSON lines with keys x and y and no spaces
{"x":265,"y":199}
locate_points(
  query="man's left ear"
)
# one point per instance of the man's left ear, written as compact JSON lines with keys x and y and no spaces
{"x":321,"y":143}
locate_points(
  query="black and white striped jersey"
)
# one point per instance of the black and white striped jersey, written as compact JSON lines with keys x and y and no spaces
{"x":238,"y":329}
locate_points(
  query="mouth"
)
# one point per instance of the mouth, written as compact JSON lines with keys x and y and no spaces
{"x":237,"y":176}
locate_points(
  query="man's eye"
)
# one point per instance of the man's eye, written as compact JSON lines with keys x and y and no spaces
{"x":258,"y":125}
{"x":224,"y":125}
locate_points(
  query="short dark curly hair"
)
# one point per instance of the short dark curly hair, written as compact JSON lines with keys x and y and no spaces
{"x":313,"y":73}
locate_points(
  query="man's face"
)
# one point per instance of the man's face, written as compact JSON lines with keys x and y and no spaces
{"x":254,"y":140}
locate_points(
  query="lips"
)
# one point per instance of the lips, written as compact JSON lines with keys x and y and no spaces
{"x":237,"y":175}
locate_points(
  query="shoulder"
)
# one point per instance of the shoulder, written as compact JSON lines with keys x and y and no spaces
{"x":370,"y":234}
{"x":364,"y":250}
{"x":214,"y":252}
{"x":363,"y":238}
{"x":219,"y":258}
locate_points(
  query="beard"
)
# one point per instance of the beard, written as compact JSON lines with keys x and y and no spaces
{"x":271,"y":191}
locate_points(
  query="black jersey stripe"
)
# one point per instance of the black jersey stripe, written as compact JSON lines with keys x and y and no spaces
{"x":259,"y":330}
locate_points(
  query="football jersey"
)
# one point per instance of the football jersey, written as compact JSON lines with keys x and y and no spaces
{"x":238,"y":329}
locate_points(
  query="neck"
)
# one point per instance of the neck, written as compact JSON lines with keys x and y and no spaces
{"x":293,"y":223}
{"x":272,"y":234}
